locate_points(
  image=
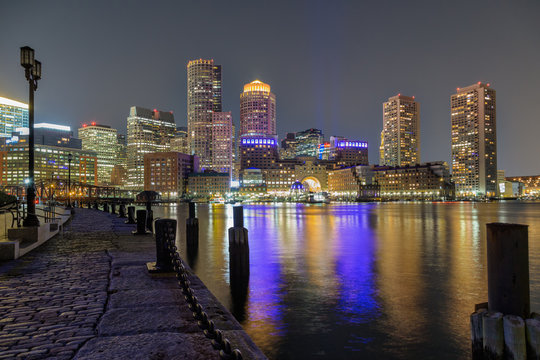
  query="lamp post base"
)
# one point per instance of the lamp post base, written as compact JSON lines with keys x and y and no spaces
{"x":31,"y":220}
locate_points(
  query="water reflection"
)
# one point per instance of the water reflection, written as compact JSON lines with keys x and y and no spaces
{"x":356,"y":280}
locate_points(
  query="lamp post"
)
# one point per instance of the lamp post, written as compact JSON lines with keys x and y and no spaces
{"x":32,"y":71}
{"x":70,"y":157}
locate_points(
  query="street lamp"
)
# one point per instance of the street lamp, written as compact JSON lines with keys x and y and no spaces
{"x":70,"y":157}
{"x":32,"y":71}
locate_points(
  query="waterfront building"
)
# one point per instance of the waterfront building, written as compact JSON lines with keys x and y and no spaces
{"x":103,"y":140}
{"x":208,"y":184}
{"x":51,"y":162}
{"x":148,"y":132}
{"x":325,"y":151}
{"x":119,"y":176}
{"x":401,"y":131}
{"x":279,"y":180}
{"x":260,"y":152}
{"x":530,"y":185}
{"x":288,"y":147}
{"x":352,"y":183}
{"x":222,"y":142}
{"x":257,"y":110}
{"x":167,"y":173}
{"x":313,"y":173}
{"x":474,"y":141}
{"x":47,"y":134}
{"x":308,"y":142}
{"x":13,"y":114}
{"x":350,"y":153}
{"x":203,"y":98}
{"x":179,"y":142}
{"x":428,"y":181}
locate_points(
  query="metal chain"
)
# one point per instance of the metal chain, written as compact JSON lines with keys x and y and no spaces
{"x":219,"y":342}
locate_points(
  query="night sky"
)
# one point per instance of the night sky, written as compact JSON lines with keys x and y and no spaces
{"x":331,"y":64}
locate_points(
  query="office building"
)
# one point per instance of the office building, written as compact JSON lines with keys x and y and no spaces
{"x":208,"y":184}
{"x":47,"y":134}
{"x":180,"y":141}
{"x":308,"y":142}
{"x":13,"y":114}
{"x":352,"y":183}
{"x":474,"y":141}
{"x":203,"y":98}
{"x":149,"y":131}
{"x":257,"y":110}
{"x":222,"y":142}
{"x":103,"y":140}
{"x":350,"y":153}
{"x":401,"y":131}
{"x":167,"y":173}
{"x":260,"y":153}
{"x":288,"y":147}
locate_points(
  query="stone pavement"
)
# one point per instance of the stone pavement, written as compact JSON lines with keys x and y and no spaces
{"x":86,"y":294}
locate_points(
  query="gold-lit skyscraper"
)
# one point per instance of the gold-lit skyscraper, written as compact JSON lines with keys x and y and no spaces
{"x":474,"y":141}
{"x":203,"y":98}
{"x":257,"y":110}
{"x":104,"y":141}
{"x":400,"y":140}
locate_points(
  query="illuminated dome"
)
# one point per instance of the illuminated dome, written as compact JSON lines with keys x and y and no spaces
{"x":297,"y":186}
{"x":257,"y":86}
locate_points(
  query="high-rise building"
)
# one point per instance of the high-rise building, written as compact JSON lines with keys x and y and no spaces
{"x":180,"y":141}
{"x":257,"y":110}
{"x":47,"y":134}
{"x":148,"y":131}
{"x":203,"y":98}
{"x":474,"y":141}
{"x":222,"y":142}
{"x":401,"y":131}
{"x":350,"y":153}
{"x":13,"y":114}
{"x":104,"y":141}
{"x":308,"y":141}
{"x":288,"y":147}
{"x":260,"y":153}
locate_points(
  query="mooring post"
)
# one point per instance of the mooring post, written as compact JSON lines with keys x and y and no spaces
{"x":113,"y":208}
{"x":508,"y":269}
{"x":122,"y":211}
{"x":131,"y":215}
{"x":141,"y":223}
{"x":192,"y":228}
{"x":149,"y":216}
{"x":164,"y":232}
{"x":106,"y":207}
{"x":238,"y":248}
{"x":89,"y":204}
{"x":96,"y":205}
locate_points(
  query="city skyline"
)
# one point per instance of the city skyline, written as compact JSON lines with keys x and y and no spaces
{"x":307,"y":71}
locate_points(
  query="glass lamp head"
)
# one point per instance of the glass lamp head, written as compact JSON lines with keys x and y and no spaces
{"x":27,"y":57}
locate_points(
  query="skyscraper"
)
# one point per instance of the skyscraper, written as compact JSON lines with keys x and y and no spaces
{"x":148,"y":131}
{"x":13,"y":114}
{"x":104,"y":141}
{"x":401,"y":131}
{"x":222,"y":142}
{"x":474,"y":141}
{"x":203,"y":98}
{"x":257,"y":110}
{"x":308,"y":141}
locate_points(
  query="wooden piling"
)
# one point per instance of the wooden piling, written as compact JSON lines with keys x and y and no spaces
{"x":532,"y":332}
{"x":508,"y":269}
{"x":141,"y":223}
{"x":122,"y":211}
{"x":515,"y":344}
{"x":238,"y":248}
{"x":492,"y":333}
{"x":192,"y":229}
{"x":477,"y":336}
{"x":131,"y":215}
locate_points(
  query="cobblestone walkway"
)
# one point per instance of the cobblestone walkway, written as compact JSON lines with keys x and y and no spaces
{"x":51,"y":299}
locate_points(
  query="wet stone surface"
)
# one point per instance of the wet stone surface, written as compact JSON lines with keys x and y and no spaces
{"x":86,"y":294}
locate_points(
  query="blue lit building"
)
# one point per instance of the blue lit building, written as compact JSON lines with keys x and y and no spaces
{"x":13,"y":114}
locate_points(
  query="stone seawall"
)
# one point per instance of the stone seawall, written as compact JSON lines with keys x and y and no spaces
{"x":86,"y":294}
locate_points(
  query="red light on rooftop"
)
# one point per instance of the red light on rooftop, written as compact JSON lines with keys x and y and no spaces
{"x":479,"y":83}
{"x":170,"y":112}
{"x":84,"y":125}
{"x":155,"y":110}
{"x":93,"y":123}
{"x":488,"y":84}
{"x":413,"y":96}
{"x":457,"y":89}
{"x":399,"y":94}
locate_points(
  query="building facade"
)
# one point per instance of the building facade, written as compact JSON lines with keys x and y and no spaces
{"x":308,"y":142}
{"x":474,"y":141}
{"x":208,"y":184}
{"x":222,"y":142}
{"x":203,"y":98}
{"x":260,"y":153}
{"x":288,"y":147}
{"x":350,"y":153}
{"x":167,"y":173}
{"x":103,"y":140}
{"x":148,"y":132}
{"x":13,"y":114}
{"x":180,"y":141}
{"x":401,"y":131}
{"x":257,"y":110}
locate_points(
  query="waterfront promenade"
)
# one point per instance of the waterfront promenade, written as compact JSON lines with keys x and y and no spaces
{"x":86,"y":294}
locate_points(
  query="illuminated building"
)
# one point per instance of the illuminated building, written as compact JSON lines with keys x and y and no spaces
{"x":222,"y":142}
{"x":324,"y":152}
{"x":288,"y":147}
{"x":278,"y":181}
{"x":257,"y":110}
{"x":258,"y":153}
{"x":474,"y":141}
{"x":308,"y":142}
{"x":13,"y":114}
{"x":167,"y":172}
{"x":401,"y":131}
{"x":208,"y":184}
{"x":179,"y":142}
{"x":147,"y":132}
{"x":103,"y":140}
{"x":352,"y":183}
{"x":530,"y":185}
{"x":203,"y":98}
{"x":428,"y":181}
{"x":350,"y":153}
{"x":51,"y":162}
{"x":47,"y":134}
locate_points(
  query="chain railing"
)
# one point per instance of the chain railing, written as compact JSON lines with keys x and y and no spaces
{"x":219,"y":342}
